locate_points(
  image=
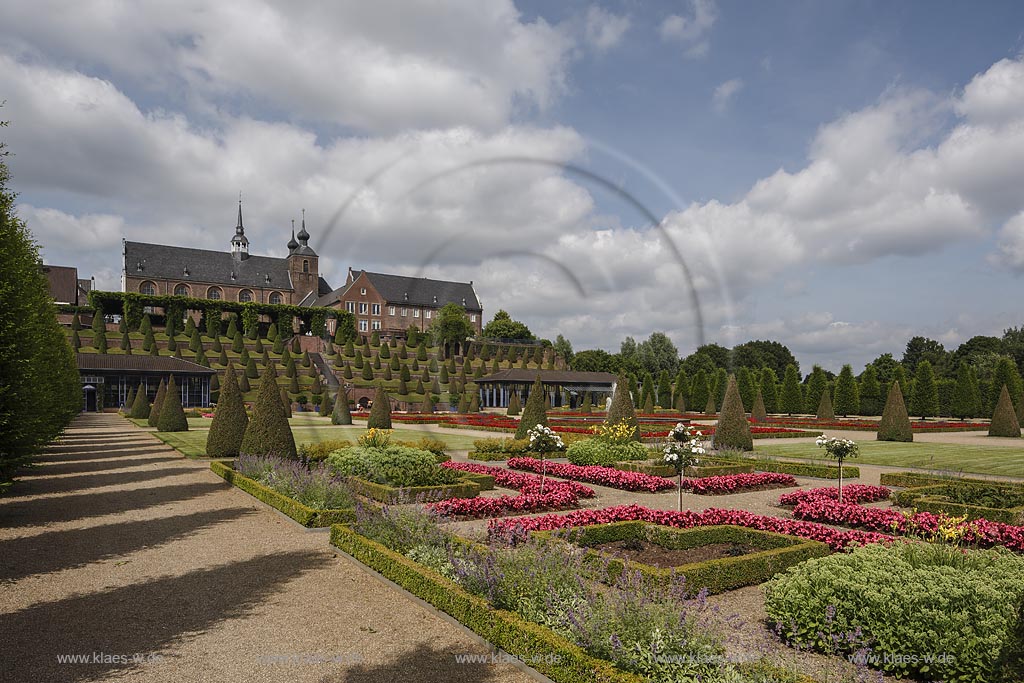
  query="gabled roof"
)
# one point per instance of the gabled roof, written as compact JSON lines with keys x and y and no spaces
{"x":138,"y":362}
{"x":63,"y":283}
{"x":166,"y":262}
{"x":421,"y":291}
{"x":549,"y":376}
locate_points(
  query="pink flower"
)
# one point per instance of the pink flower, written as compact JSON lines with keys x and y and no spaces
{"x":852,"y":493}
{"x":595,"y":474}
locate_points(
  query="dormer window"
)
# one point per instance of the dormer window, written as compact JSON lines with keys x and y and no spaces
{"x":267,"y":279}
{"x":234,"y":276}
{"x":138,"y":266}
{"x":185,"y":271}
{"x":435,"y":298}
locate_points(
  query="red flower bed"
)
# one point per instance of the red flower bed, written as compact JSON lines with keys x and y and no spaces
{"x":980,"y":532}
{"x":558,"y":495}
{"x":595,"y":474}
{"x":735,"y":483}
{"x":518,"y":528}
{"x":853,"y":493}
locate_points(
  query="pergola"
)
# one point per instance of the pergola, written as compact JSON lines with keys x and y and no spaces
{"x":562,"y":386}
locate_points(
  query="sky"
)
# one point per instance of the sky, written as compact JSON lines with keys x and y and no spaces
{"x":837,"y":176}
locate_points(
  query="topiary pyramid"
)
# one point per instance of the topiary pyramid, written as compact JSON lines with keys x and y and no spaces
{"x":732,"y":430}
{"x":341,"y":415}
{"x":513,"y":405}
{"x":172,"y":415}
{"x":825,"y":411}
{"x":140,"y":404}
{"x":895,"y":423}
{"x":588,"y":405}
{"x":1004,"y":419}
{"x":759,"y":414}
{"x":158,"y":402}
{"x":268,"y":432}
{"x":533,"y":413}
{"x":229,"y":420}
{"x":286,"y":402}
{"x":621,"y":410}
{"x":129,"y":400}
{"x":380,"y":413}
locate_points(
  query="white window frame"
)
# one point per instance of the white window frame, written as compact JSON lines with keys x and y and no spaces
{"x":363,"y":308}
{"x":375,"y":309}
{"x":363,"y":326}
{"x":472,"y":317}
{"x":362,"y":291}
{"x":428,"y":313}
{"x":375,"y":325}
{"x":350,"y":306}
{"x":391,"y":310}
{"x":415,"y":312}
{"x":405,"y":312}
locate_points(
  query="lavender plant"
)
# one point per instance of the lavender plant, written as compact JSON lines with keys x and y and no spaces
{"x":314,"y":486}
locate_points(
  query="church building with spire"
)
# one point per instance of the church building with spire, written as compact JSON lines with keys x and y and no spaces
{"x":235,"y":275}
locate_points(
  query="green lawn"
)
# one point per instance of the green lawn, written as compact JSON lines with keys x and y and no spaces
{"x":931,"y":456}
{"x":193,"y":443}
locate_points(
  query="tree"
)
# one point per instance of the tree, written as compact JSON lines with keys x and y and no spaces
{"x":964,"y":401}
{"x":268,"y":432}
{"x":664,"y":390}
{"x":513,"y":405}
{"x":342,"y":414}
{"x":158,"y":402}
{"x":172,"y":415}
{"x":1005,"y":374}
{"x":380,"y":413}
{"x":747,"y":388}
{"x":763,"y":353}
{"x":1004,"y":419}
{"x":920,"y":349}
{"x":595,"y":360}
{"x":769,"y":386}
{"x":721,"y":382}
{"x":563,"y":347}
{"x":870,"y":392}
{"x":732,"y":430}
{"x":926,"y":394}
{"x":648,"y":405}
{"x":792,"y":399}
{"x":140,"y":404}
{"x":758,"y":412}
{"x":817,"y":383}
{"x":825,"y":411}
{"x":847,"y":394}
{"x":533,"y":412}
{"x":658,"y":353}
{"x":895,"y":423}
{"x":621,"y":410}
{"x":502,"y":326}
{"x":699,"y":391}
{"x":681,"y":390}
{"x":450,"y":326}
{"x":708,"y":357}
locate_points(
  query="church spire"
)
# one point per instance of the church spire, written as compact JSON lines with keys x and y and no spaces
{"x":292,"y":244}
{"x":240,"y":243}
{"x":303,"y":235}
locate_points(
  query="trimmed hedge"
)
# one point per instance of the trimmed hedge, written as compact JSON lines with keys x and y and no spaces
{"x":777,"y":552}
{"x":929,"y":499}
{"x":918,"y":479}
{"x":395,"y":494}
{"x":660,"y":470}
{"x":799,"y":469}
{"x":306,"y":516}
{"x":488,"y":457}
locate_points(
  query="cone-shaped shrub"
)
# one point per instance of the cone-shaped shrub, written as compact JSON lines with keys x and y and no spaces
{"x":158,"y":403}
{"x":825,"y":411}
{"x":699,"y":390}
{"x":1004,"y":419}
{"x":216,"y":345}
{"x":177,"y":354}
{"x":420,"y":387}
{"x":129,"y":400}
{"x":172,"y":415}
{"x":621,"y":410}
{"x":286,"y":402}
{"x":759,"y":414}
{"x":732,"y":430}
{"x":380,"y":413}
{"x":126,"y":342}
{"x":278,"y":345}
{"x":533,"y":412}
{"x":148,"y":341}
{"x":385,"y":352}
{"x":172,"y":344}
{"x":146,"y":326}
{"x":367,"y":372}
{"x":293,"y":386}
{"x":792,"y":398}
{"x":237,"y":343}
{"x":463,"y":406}
{"x":847,"y":394}
{"x":99,"y":341}
{"x":649,"y":404}
{"x":769,"y":384}
{"x":421,"y":352}
{"x":347,"y":373}
{"x":710,"y":408}
{"x":229,"y":420}
{"x":474,"y":403}
{"x":140,"y":404}
{"x":223,"y":359}
{"x":375,"y":339}
{"x":76,"y":341}
{"x":895,"y":424}
{"x":258,"y":346}
{"x":306,"y":362}
{"x":341,"y":415}
{"x":243,"y":384}
{"x":326,"y":406}
{"x":250,"y":369}
{"x":232,"y":328}
{"x":444,"y":375}
{"x":195,"y":343}
{"x":268,"y":432}
{"x":588,"y":405}
{"x":405,"y":374}
{"x":154,"y":350}
{"x":428,"y":403}
{"x":387,"y":373}
{"x":514,"y":408}
{"x":403,"y":388}
{"x":295,"y":345}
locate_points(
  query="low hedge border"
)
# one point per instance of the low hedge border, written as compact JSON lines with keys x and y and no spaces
{"x":657,"y":470}
{"x":777,"y":552}
{"x":409,"y":494}
{"x":306,"y":516}
{"x":786,"y":435}
{"x":488,"y":457}
{"x":928,"y":499}
{"x":799,"y":469}
{"x":537,"y":646}
{"x":918,"y":479}
{"x":484,"y":481}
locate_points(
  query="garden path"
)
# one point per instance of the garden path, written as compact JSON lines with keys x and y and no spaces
{"x":117,"y":545}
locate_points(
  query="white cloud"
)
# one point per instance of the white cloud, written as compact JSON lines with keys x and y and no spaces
{"x":691,"y":31}
{"x":1011,"y":245}
{"x":724,"y":93}
{"x":996,"y":96}
{"x":604,"y":30}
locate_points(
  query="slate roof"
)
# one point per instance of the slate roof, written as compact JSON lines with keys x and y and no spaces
{"x":549,"y":376}
{"x":166,"y":262}
{"x":421,"y":291}
{"x":140,"y":363}
{"x":63,"y":283}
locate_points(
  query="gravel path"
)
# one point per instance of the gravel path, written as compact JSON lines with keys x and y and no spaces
{"x":116,"y":545}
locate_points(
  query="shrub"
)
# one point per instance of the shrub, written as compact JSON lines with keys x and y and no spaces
{"x":924,"y":600}
{"x":758,"y":413}
{"x":510,"y":446}
{"x":286,"y":402}
{"x":316,"y":452}
{"x":602,"y":452}
{"x":732,"y":430}
{"x":513,"y":405}
{"x":895,"y":423}
{"x":533,"y":413}
{"x":825,"y":411}
{"x":268,"y":432}
{"x":315,"y":487}
{"x":792,"y":400}
{"x":140,"y":405}
{"x":229,"y":420}
{"x":392,"y":465}
{"x":172,"y":415}
{"x":621,"y":410}
{"x":380,"y":413}
{"x":1004,"y":419}
{"x":158,"y":402}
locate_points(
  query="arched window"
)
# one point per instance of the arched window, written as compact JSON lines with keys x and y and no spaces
{"x":305,"y":266}
{"x":276,"y":298}
{"x":147,"y":287}
{"x":245,"y":295}
{"x":181,"y":290}
{"x":214,"y":293}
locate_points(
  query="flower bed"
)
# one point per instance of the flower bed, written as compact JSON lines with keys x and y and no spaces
{"x":710,"y":469}
{"x":595,"y":474}
{"x":979,"y":532}
{"x":853,"y":493}
{"x":517,"y":528}
{"x":798,"y":469}
{"x":557,"y":495}
{"x":737,"y":483}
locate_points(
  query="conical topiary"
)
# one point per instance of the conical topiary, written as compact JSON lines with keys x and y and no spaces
{"x":710,"y":408}
{"x":428,"y":403}
{"x":474,"y":403}
{"x":172,"y":415}
{"x":895,"y":423}
{"x":326,"y":406}
{"x":588,"y":405}
{"x":140,"y":404}
{"x":514,"y":408}
{"x":268,"y":432}
{"x":759,"y":414}
{"x":1004,"y":419}
{"x":341,"y":415}
{"x":463,"y":406}
{"x":286,"y":403}
{"x":533,"y":412}
{"x":732,"y":430}
{"x":380,"y":413}
{"x":825,"y":411}
{"x":158,"y":402}
{"x":229,"y":420}
{"x":244,"y":385}
{"x":621,"y":410}
{"x":129,"y":400}
{"x":649,"y":404}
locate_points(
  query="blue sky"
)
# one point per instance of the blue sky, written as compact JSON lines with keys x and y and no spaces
{"x":838,"y":176}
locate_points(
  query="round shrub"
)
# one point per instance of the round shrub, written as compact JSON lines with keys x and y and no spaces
{"x":948,"y":613}
{"x":393,"y":465}
{"x":600,"y":452}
